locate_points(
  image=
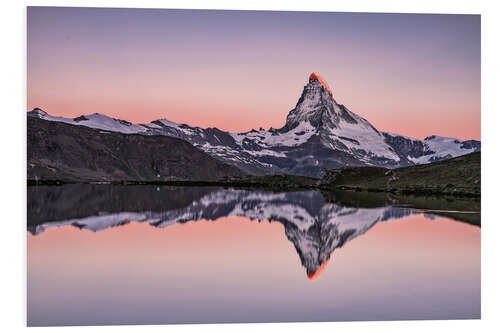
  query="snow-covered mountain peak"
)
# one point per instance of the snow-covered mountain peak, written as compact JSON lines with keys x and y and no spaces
{"x":317,"y":106}
{"x":95,"y":120}
{"x":314,"y":102}
{"x":336,"y":126}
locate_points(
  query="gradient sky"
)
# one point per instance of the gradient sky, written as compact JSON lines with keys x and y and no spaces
{"x":410,"y":74}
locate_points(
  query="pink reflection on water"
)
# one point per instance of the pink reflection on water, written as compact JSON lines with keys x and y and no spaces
{"x":411,"y":268}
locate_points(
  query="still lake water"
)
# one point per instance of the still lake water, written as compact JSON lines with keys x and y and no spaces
{"x":102,"y":254}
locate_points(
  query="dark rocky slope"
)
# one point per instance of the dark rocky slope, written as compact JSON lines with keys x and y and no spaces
{"x":456,"y":176}
{"x":59,"y":151}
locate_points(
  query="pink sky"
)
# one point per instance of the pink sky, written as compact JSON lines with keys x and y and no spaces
{"x":234,"y":268}
{"x":415,"y":75}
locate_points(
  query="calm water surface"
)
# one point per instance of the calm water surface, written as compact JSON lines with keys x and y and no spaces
{"x":100,"y":254}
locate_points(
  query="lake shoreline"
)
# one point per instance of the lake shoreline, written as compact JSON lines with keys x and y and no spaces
{"x":280,"y":183}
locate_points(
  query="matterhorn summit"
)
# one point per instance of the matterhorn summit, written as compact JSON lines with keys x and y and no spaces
{"x":317,"y":76}
{"x":337,"y":127}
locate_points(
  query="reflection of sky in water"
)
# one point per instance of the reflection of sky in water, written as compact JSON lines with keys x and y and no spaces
{"x":237,"y":270}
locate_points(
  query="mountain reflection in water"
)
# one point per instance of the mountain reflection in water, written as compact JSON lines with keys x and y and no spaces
{"x":315,"y":226}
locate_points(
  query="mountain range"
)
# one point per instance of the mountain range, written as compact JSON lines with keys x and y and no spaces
{"x":318,"y":134}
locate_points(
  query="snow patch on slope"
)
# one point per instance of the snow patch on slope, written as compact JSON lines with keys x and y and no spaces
{"x":365,"y":136}
{"x":102,"y":122}
{"x":295,"y":137}
{"x":443,"y":147}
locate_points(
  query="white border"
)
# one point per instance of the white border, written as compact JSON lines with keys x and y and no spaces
{"x":13,"y":131}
